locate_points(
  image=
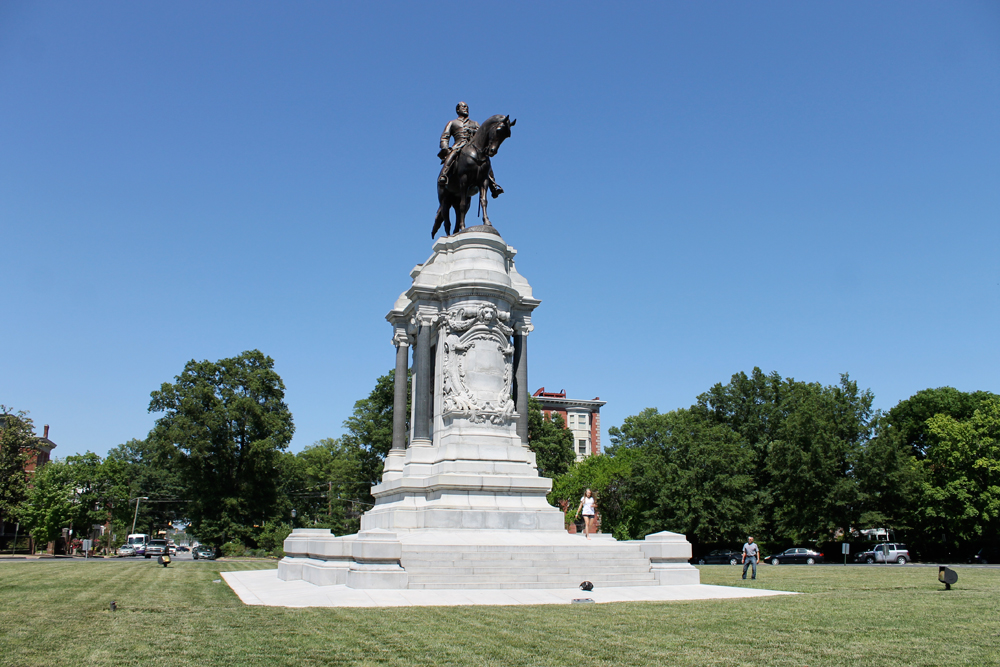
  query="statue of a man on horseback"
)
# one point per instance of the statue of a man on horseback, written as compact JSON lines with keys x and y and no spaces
{"x":466,"y":166}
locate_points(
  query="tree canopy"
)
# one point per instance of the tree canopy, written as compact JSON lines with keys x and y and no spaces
{"x":17,"y":435}
{"x":224,"y":427}
{"x":550,"y":440}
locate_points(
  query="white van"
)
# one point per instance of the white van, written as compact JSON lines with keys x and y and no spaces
{"x":138,"y":541}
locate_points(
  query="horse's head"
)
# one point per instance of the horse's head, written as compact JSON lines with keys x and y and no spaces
{"x":497,"y":128}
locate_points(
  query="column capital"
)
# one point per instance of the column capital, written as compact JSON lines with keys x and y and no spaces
{"x":401,"y":338}
{"x":425,"y":317}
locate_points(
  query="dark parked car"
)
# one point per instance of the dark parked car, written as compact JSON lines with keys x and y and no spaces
{"x":795,"y":555}
{"x":890,"y":552}
{"x":986,"y":555}
{"x":208,"y":553}
{"x":719,"y":557}
{"x":156,"y":548}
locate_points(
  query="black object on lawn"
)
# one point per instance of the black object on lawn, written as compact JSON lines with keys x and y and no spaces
{"x":587,"y":586}
{"x":947,"y":576}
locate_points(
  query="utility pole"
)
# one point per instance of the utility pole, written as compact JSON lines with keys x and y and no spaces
{"x":329,"y":499}
{"x":137,"y":510}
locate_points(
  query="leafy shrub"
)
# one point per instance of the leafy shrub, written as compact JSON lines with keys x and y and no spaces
{"x":233,"y":549}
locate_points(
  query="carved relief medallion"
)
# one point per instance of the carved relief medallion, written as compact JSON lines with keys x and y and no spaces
{"x":477,"y":364}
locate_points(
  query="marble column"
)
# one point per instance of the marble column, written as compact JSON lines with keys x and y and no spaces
{"x":399,"y":395}
{"x":422,"y":386}
{"x":521,"y":383}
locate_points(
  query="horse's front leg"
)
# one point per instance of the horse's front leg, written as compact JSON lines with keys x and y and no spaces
{"x":495,"y":189}
{"x":482,"y":204}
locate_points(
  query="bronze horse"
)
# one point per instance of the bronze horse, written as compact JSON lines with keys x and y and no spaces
{"x":472,"y":171}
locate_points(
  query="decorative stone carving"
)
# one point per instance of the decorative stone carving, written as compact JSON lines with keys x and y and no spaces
{"x":477,"y":364}
{"x":401,"y":338}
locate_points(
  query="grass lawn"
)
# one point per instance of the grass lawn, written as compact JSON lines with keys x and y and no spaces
{"x":56,"y":613}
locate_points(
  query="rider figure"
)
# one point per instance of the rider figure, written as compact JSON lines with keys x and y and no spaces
{"x":462,"y":129}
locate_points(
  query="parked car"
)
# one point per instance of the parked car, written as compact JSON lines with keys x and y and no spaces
{"x":889,"y":552}
{"x":795,"y":555}
{"x":719,"y":557}
{"x":988,"y":554}
{"x":156,"y":548}
{"x":172,"y":550}
{"x":182,"y":549}
{"x":125,"y":551}
{"x":208,"y":553}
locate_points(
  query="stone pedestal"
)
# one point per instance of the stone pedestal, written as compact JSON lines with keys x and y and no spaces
{"x":463,"y":505}
{"x":467,"y":466}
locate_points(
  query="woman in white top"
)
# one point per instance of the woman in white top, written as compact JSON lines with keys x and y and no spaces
{"x":588,"y":504}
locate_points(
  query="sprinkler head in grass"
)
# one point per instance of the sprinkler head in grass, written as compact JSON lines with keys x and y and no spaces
{"x":113,"y":606}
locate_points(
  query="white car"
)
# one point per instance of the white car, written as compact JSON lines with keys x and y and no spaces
{"x":126,"y":550}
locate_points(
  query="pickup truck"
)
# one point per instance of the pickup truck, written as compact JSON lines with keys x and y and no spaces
{"x":156,"y":548}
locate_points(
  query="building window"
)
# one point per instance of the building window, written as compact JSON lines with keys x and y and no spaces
{"x":582,"y":444}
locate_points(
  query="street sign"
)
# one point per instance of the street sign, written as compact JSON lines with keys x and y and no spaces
{"x":845,"y":548}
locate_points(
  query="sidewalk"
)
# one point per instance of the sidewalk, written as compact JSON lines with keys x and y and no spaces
{"x":262,"y":587}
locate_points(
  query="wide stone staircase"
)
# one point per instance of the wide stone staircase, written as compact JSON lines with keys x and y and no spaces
{"x":604,"y":562}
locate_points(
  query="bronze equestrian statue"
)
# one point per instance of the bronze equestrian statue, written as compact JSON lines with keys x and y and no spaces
{"x":466,"y":166}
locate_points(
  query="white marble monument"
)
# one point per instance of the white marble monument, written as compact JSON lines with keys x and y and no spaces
{"x":461,"y":504}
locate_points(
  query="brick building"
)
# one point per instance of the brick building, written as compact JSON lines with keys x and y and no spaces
{"x":581,"y":416}
{"x":39,"y":455}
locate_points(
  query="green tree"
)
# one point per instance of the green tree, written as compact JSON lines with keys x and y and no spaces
{"x":610,"y":480}
{"x":369,"y":434}
{"x":810,"y":462}
{"x":49,"y":506}
{"x":806,"y":440}
{"x":550,"y":440}
{"x":148,"y":468}
{"x":224,"y":427}
{"x":17,"y":436}
{"x":688,"y":475}
{"x":962,"y":489}
{"x":907,"y":422}
{"x":330,"y":490}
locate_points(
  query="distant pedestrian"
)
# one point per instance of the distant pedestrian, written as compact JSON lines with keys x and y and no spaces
{"x":588,"y":504}
{"x":751,"y":556}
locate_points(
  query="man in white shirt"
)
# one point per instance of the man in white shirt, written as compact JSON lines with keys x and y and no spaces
{"x":751,"y":556}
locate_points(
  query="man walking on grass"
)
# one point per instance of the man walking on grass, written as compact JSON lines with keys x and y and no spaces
{"x":751,"y":556}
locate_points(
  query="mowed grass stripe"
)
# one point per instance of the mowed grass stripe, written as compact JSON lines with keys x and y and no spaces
{"x":57,"y":613}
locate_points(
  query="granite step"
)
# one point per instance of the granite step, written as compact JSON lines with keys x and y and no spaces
{"x":485,"y":584}
{"x":421,"y":563}
{"x":540,"y":569}
{"x":571,"y":579}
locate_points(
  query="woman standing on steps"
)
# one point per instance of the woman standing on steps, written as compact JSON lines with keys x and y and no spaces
{"x":589,"y":506}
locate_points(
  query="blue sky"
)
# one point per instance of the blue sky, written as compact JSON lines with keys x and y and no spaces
{"x":694,"y":189}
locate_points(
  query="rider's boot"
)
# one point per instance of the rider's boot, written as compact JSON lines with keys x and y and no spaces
{"x":443,"y":177}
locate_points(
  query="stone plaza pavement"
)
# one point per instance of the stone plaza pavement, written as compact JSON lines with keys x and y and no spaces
{"x":262,"y":587}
